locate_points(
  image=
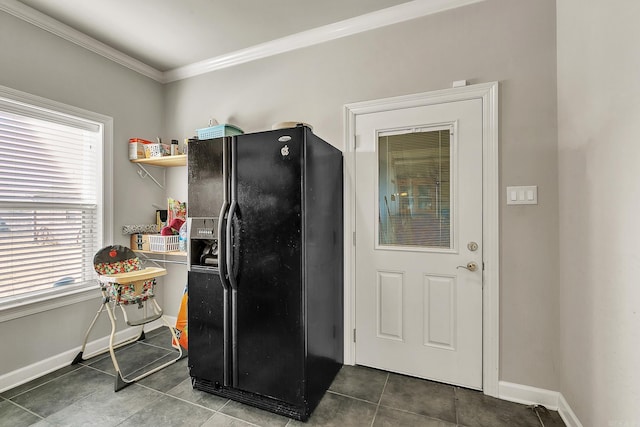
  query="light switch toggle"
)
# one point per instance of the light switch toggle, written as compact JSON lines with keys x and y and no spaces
{"x":522,"y":195}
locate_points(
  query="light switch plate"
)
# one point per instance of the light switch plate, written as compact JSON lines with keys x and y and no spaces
{"x":522,"y":195}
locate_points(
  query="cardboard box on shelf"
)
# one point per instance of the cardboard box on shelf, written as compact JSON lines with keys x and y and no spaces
{"x":140,"y":242}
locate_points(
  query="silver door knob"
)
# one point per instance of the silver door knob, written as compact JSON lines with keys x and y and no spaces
{"x":471,"y":266}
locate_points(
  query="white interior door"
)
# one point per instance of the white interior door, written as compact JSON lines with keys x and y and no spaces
{"x":418,"y":191}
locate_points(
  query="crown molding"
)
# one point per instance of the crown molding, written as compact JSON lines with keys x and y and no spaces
{"x":370,"y":21}
{"x":32,"y":16}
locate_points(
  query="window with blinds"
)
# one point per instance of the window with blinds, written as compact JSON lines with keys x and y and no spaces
{"x":50,"y":200}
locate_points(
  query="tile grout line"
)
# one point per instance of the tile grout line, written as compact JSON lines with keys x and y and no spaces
{"x":380,"y":400}
{"x":142,"y":369}
{"x":236,"y":418}
{"x":213,"y":411}
{"x":351,"y":397}
{"x":25,"y":409}
{"x":418,"y":414}
{"x":39,"y":385}
{"x":455,"y":404}
{"x":140,"y":410}
{"x":100,"y":370}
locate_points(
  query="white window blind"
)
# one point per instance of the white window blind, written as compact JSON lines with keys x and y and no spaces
{"x":50,"y":200}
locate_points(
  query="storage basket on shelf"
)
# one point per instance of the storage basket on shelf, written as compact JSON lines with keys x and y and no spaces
{"x":152,"y":150}
{"x":158,"y":243}
{"x":218,"y":131}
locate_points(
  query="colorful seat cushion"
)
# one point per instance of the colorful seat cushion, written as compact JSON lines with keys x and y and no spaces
{"x":120,"y":259}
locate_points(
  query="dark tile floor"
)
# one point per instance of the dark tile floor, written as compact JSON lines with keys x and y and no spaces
{"x":82,"y":395}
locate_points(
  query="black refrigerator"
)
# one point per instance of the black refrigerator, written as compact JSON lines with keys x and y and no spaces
{"x":265,"y":251}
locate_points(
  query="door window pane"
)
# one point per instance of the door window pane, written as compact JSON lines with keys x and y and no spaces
{"x":414,"y":189}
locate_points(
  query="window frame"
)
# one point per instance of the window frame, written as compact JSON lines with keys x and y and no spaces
{"x":42,"y":301}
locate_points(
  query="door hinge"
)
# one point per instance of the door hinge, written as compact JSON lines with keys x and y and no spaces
{"x":354,"y":238}
{"x":356,"y":141}
{"x":354,"y":335}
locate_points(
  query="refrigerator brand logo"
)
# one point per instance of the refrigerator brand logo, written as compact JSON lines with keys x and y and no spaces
{"x":285,"y":138}
{"x":284,"y":150}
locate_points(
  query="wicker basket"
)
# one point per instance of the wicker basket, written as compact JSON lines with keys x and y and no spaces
{"x":158,"y":243}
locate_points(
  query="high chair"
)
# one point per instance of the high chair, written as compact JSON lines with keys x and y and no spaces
{"x":123,"y":282}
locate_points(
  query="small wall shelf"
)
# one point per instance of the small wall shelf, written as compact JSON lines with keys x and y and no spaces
{"x":166,"y":161}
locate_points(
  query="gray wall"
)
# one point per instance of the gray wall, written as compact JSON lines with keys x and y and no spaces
{"x":512,"y":41}
{"x":599,"y":154}
{"x":42,"y":64}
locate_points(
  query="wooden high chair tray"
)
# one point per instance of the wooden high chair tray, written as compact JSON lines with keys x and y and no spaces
{"x":133,"y":276}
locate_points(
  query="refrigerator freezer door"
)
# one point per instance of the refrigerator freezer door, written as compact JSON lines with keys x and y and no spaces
{"x":207,"y":308}
{"x":269,"y":321}
{"x":207,"y":183}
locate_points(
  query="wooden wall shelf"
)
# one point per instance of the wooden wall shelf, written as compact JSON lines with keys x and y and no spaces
{"x":166,"y":161}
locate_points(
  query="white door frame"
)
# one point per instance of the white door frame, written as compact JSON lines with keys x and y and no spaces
{"x":488,"y":93}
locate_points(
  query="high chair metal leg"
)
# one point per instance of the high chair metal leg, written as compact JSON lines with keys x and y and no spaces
{"x":80,"y":357}
{"x":123,"y":381}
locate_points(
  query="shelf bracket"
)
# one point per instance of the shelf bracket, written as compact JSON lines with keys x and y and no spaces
{"x":145,"y":173}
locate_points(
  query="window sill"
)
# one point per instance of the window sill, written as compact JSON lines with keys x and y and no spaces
{"x":34,"y":304}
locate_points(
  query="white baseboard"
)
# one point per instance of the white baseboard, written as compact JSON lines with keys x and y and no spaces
{"x":43,"y":367}
{"x":528,"y":395}
{"x":565,"y":411}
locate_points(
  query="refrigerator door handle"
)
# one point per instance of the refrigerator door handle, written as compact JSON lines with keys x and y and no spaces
{"x":222,"y":246}
{"x":234,"y":294}
{"x":222,"y":271}
{"x":222,"y":219}
{"x":229,"y":246}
